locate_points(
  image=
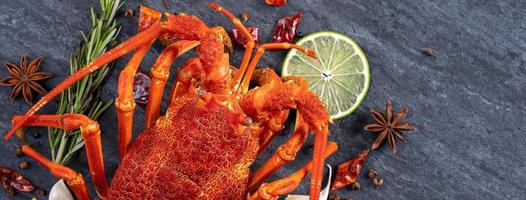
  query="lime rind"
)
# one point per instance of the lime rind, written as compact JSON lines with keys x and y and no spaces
{"x":360,"y":71}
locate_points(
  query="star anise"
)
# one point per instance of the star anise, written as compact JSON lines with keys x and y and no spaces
{"x":24,"y":78}
{"x":390,"y":127}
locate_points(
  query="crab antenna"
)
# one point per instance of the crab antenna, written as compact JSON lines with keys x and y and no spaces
{"x":249,"y":45}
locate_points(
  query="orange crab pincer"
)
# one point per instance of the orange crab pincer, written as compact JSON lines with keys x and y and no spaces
{"x":213,"y":129}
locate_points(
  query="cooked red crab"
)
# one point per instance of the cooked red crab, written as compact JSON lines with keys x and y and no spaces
{"x":214,"y":128}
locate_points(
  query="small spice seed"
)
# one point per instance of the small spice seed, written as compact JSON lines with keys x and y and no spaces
{"x":245,"y":16}
{"x":36,"y":135}
{"x":40,"y":192}
{"x":355,"y":185}
{"x":19,"y":152}
{"x":24,"y":165}
{"x":10,"y":191}
{"x":377,"y":182}
{"x":429,"y":52}
{"x":21,"y":135}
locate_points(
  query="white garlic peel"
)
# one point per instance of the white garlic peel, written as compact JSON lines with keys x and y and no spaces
{"x":60,"y":191}
{"x":297,"y":197}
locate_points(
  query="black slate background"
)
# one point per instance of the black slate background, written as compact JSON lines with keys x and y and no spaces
{"x":468,"y":101}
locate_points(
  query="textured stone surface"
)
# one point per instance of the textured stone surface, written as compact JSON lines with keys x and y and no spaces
{"x":468,"y":101}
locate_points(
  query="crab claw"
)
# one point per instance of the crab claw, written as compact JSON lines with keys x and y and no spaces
{"x":315,"y":114}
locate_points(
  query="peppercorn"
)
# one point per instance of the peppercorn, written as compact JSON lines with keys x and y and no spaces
{"x":355,"y":185}
{"x":40,"y":192}
{"x":299,"y":34}
{"x":377,"y":182}
{"x":429,"y":52}
{"x":24,"y":165}
{"x":372,"y":173}
{"x":18,"y":152}
{"x":10,"y":191}
{"x":36,"y":135}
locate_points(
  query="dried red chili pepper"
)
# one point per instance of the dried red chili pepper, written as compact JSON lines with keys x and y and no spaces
{"x":141,"y":88}
{"x":348,"y":171}
{"x":285,"y":29}
{"x":12,"y":179}
{"x":240,"y":38}
{"x":276,"y":2}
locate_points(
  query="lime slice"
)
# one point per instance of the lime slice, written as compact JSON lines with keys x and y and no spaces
{"x":340,"y":76}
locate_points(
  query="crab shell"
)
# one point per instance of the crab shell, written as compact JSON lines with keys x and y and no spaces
{"x":192,"y":152}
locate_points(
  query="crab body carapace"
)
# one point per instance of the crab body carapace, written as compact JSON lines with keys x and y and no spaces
{"x":191,"y":152}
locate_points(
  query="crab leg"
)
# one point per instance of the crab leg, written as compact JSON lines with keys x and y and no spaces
{"x":124,"y":103}
{"x":288,"y":184}
{"x":75,"y":180}
{"x":129,"y":45}
{"x":250,"y":44}
{"x":320,"y":140}
{"x":160,"y":73}
{"x":259,"y":53}
{"x":90,"y":132}
{"x":285,"y":153}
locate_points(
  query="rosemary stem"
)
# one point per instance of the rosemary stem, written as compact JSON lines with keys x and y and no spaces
{"x":50,"y":136}
{"x":61,"y":147}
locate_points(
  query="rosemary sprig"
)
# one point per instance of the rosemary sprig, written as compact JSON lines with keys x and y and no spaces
{"x":84,"y":97}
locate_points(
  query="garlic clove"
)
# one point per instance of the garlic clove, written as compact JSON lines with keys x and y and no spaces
{"x":297,"y":197}
{"x":60,"y":191}
{"x":324,"y":194}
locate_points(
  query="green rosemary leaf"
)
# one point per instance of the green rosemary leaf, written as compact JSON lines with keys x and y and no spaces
{"x":83,"y":35}
{"x":74,"y":137}
{"x":72,"y":151}
{"x":94,"y":15}
{"x":103,"y":108}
